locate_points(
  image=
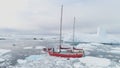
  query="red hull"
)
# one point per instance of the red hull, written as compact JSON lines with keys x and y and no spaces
{"x":69,"y":55}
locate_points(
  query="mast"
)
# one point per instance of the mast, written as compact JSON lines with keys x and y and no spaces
{"x":61,"y":25}
{"x":74,"y":31}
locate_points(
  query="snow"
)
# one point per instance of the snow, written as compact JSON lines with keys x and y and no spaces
{"x":95,"y":61}
{"x":28,"y":48}
{"x":39,"y":47}
{"x":78,"y":65}
{"x":86,"y":46}
{"x":3,"y":51}
{"x":21,"y":61}
{"x":34,"y":57}
{"x":46,"y":61}
{"x":1,"y":59}
{"x":95,"y":44}
{"x":115,"y":50}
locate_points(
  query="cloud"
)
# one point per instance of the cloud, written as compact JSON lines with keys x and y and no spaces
{"x":43,"y":15}
{"x":9,"y":10}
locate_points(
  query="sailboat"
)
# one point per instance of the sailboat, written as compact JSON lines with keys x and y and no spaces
{"x":64,"y":52}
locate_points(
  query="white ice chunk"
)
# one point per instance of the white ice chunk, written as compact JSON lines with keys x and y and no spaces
{"x":93,"y":62}
{"x":39,"y":47}
{"x":20,"y":61}
{"x":3,"y":51}
{"x":28,"y":48}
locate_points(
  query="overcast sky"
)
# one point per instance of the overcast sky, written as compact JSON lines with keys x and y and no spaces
{"x":43,"y":15}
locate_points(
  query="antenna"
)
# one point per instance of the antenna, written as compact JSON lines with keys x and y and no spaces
{"x":61,"y":25}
